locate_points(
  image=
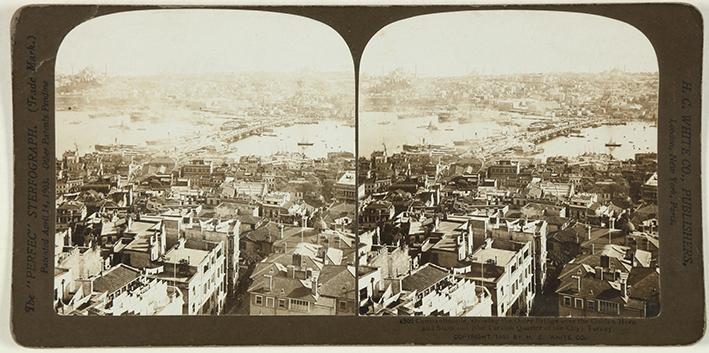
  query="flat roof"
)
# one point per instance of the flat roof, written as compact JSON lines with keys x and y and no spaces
{"x":194,"y":256}
{"x":449,"y":226}
{"x":500,"y":256}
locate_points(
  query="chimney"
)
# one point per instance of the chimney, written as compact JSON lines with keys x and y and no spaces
{"x":605,"y":261}
{"x":460,"y":245}
{"x":270,"y":282}
{"x":624,"y":285}
{"x":599,"y":273}
{"x":291,"y":271}
{"x":314,"y":286}
{"x":578,"y":283}
{"x":589,"y":232}
{"x":322,"y":252}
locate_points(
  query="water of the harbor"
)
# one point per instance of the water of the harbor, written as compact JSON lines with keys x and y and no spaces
{"x":78,"y":127}
{"x":326,"y":136}
{"x":181,"y":131}
{"x":635,"y":137}
{"x":377,"y":129}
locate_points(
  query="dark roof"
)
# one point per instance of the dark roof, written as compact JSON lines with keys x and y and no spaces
{"x":71,"y":205}
{"x":282,"y":286}
{"x":426,"y":276}
{"x":341,"y":209}
{"x":590,"y":262}
{"x":247,"y":219}
{"x":573,"y":234}
{"x":542,"y":208}
{"x":267,"y":233}
{"x":115,"y":278}
{"x":644,"y":283}
{"x":555,"y":220}
{"x":591,"y":288}
{"x":379,"y":205}
{"x":644,"y":213}
{"x":337,"y":281}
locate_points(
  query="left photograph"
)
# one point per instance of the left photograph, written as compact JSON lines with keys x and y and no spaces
{"x":204,"y":166}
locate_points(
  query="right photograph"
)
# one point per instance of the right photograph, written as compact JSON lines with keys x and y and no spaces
{"x":507,"y":166}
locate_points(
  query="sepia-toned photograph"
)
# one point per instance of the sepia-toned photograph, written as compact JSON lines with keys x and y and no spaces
{"x":204,"y":166}
{"x":508,"y":172}
{"x":346,"y":175}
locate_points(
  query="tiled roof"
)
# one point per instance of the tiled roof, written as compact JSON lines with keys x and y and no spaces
{"x":115,"y":278}
{"x":447,"y":243}
{"x":283,"y":286}
{"x":592,"y":261}
{"x":267,"y":233}
{"x":424,"y":277}
{"x":644,"y":283}
{"x":337,"y":281}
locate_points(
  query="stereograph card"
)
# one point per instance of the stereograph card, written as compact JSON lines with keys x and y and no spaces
{"x":399,"y":174}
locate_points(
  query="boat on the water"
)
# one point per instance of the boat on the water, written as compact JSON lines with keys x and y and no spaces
{"x":99,"y":115}
{"x":445,"y":117}
{"x":612,"y":143}
{"x":465,"y":119}
{"x":411,"y":148}
{"x":305,"y":143}
{"x":121,"y":126}
{"x":410,"y":115}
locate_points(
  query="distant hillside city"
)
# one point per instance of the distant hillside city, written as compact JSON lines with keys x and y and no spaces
{"x":205,"y":223}
{"x":243,"y":194}
{"x":484,"y":226}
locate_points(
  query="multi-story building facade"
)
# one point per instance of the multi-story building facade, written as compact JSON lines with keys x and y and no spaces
{"x":505,"y":268}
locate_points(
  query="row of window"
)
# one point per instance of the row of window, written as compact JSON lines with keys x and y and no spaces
{"x":270,"y":302}
{"x":516,"y":285}
{"x":207,"y":286}
{"x":593,"y":305}
{"x":295,"y":304}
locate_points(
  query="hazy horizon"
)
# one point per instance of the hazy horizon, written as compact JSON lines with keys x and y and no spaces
{"x":199,"y":41}
{"x":508,"y":42}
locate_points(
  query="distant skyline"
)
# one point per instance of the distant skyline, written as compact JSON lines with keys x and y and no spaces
{"x":496,"y":42}
{"x":507,"y":42}
{"x":196,"y":41}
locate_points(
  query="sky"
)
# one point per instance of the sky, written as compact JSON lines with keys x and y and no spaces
{"x":202,"y":41}
{"x":507,"y":42}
